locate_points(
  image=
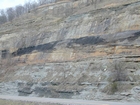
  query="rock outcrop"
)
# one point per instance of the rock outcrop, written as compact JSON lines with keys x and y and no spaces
{"x":88,"y":49}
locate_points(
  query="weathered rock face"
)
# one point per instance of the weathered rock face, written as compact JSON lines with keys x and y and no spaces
{"x":73,"y":49}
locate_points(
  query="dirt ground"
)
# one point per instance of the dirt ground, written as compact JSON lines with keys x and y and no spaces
{"x":11,"y":102}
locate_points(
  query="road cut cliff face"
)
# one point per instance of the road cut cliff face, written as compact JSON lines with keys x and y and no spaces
{"x":87,"y":49}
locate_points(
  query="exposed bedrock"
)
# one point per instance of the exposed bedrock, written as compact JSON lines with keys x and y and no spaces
{"x":86,"y":49}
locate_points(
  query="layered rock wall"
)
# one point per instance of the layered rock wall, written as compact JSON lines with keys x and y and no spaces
{"x":87,"y":49}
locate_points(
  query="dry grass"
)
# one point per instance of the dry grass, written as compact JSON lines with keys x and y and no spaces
{"x":9,"y":102}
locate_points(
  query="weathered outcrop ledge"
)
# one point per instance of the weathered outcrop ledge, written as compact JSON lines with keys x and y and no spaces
{"x":73,"y":49}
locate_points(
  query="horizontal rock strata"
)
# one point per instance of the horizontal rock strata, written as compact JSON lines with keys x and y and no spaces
{"x":87,"y":49}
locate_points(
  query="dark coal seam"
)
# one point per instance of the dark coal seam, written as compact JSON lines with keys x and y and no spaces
{"x":27,"y":50}
{"x":135,"y":36}
{"x":51,"y":46}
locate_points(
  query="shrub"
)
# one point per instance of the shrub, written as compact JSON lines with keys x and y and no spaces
{"x":111,"y":88}
{"x":114,"y":87}
{"x":118,"y":73}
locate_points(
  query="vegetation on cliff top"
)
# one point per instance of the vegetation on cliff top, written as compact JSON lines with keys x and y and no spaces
{"x":13,"y":12}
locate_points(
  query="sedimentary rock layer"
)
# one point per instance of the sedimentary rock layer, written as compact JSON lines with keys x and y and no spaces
{"x":87,"y":49}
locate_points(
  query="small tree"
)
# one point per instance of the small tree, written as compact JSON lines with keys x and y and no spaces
{"x":10,"y":14}
{"x":34,"y":4}
{"x":3,"y":17}
{"x":119,"y":73}
{"x":27,"y":6}
{"x":95,"y":2}
{"x":19,"y":10}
